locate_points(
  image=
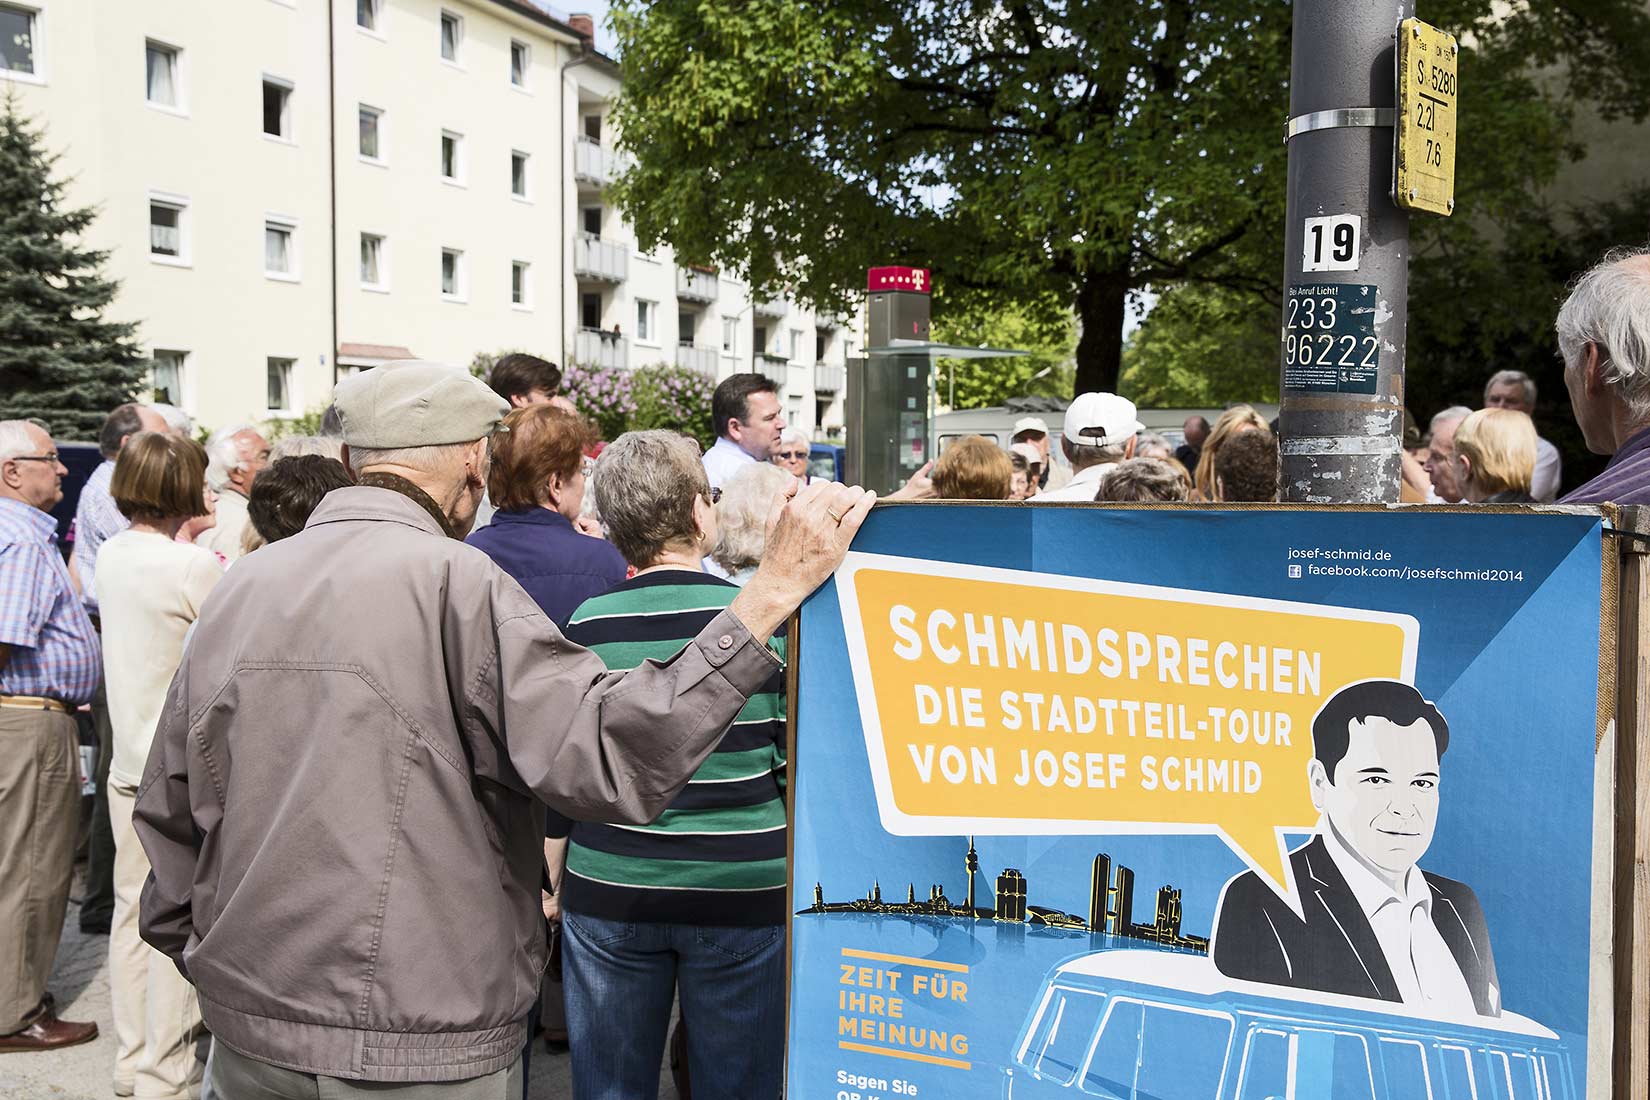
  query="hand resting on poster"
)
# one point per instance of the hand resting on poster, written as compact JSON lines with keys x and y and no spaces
{"x":808,"y":535}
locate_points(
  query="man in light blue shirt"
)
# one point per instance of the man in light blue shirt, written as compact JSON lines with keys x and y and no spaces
{"x":748,"y":418}
{"x":96,"y":519}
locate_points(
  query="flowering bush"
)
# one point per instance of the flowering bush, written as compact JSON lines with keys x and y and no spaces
{"x":606,"y":396}
{"x":678,"y":398}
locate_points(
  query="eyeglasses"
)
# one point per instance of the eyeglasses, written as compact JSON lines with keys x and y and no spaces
{"x":791,"y":455}
{"x":715,"y":495}
{"x":52,"y":458}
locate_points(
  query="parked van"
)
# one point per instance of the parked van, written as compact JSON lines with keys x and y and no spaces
{"x":1133,"y":1024}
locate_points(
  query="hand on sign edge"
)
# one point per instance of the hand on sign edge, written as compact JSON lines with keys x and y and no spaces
{"x":807,"y":542}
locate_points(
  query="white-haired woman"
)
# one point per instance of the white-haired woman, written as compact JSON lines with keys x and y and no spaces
{"x":792,"y":453}
{"x":742,"y":518}
{"x":696,"y":901}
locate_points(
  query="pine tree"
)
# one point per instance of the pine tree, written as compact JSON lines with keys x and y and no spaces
{"x":60,"y":361}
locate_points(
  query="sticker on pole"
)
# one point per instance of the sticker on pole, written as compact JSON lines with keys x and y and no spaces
{"x":1331,"y":243}
{"x":1424,"y":156}
{"x":1329,"y":341}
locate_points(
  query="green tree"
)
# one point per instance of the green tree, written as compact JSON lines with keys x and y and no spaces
{"x":1086,"y":150}
{"x":60,"y":361}
{"x":1046,"y":330}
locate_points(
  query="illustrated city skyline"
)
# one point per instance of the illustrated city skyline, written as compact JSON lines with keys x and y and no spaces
{"x":1111,"y":905}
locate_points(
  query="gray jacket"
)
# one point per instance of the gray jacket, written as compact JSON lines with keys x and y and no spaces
{"x":342,"y":802}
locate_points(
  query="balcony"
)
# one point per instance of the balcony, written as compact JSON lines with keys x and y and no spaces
{"x":829,"y":378}
{"x":771,"y":307}
{"x":594,"y":163}
{"x":594,"y":347}
{"x":703,"y":360}
{"x":776,"y":368}
{"x":600,"y":261}
{"x":694,"y":284}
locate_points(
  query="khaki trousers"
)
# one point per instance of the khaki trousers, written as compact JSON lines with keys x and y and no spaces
{"x":237,"y":1077}
{"x":157,"y":1019}
{"x":39,"y":813}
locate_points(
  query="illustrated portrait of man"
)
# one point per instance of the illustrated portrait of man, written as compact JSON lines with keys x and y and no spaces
{"x":1373,"y":923}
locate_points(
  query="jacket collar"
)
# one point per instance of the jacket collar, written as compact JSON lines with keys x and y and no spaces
{"x":542,"y":517}
{"x":372,"y":504}
{"x":397,"y":484}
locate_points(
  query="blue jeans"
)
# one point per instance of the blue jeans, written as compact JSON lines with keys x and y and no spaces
{"x":619,"y":979}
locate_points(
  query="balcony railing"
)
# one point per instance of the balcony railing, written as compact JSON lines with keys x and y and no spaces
{"x":703,"y":360}
{"x":695,"y":286}
{"x":775,"y":367}
{"x":596,"y":347}
{"x":602,"y":261}
{"x":829,"y":378}
{"x":770,"y":307}
{"x":594,"y":162}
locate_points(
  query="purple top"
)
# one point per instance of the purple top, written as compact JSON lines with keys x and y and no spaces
{"x":1626,"y":480}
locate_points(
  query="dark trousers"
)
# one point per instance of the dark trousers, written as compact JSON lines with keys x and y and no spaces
{"x":98,"y":905}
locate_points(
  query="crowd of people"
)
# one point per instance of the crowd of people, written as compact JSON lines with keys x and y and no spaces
{"x":455,"y":724}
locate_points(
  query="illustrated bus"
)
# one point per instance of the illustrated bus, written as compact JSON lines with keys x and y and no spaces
{"x":1147,"y":1025}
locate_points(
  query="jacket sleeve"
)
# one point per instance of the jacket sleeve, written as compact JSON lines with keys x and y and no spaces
{"x":603,"y":746}
{"x":165,"y":825}
{"x":1246,"y":943}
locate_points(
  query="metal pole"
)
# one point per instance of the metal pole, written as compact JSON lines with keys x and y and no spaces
{"x":1346,"y":283}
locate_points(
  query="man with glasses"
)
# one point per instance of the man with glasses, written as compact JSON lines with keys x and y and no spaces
{"x":49,"y":664}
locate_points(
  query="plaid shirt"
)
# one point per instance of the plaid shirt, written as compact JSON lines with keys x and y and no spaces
{"x":54,"y":651}
{"x":96,"y":521}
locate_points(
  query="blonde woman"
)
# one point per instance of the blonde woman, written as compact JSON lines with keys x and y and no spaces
{"x":1238,"y":418}
{"x":1495,"y":452}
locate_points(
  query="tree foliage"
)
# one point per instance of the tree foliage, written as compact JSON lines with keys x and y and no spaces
{"x":1046,"y":330}
{"x":60,"y":361}
{"x":1079,"y":149}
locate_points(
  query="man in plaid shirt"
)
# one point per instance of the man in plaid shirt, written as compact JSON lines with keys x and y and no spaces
{"x":49,"y":664}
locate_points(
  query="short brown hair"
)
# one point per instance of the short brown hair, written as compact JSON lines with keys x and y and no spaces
{"x":1145,"y":480}
{"x":519,"y":374}
{"x":158,"y":476}
{"x":542,"y":442}
{"x":1246,"y":468}
{"x":973,"y":469}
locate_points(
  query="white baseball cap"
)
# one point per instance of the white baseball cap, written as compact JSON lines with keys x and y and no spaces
{"x":1030,"y":424}
{"x":1101,"y":420}
{"x":1028,"y":452}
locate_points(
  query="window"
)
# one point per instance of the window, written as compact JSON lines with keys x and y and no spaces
{"x":647,"y":320}
{"x":280,"y":248}
{"x":1458,"y":1074}
{"x":371,"y":144}
{"x":452,"y":157}
{"x":1060,"y":1035}
{"x":730,"y":335}
{"x":18,"y":36}
{"x":518,"y":173}
{"x":819,"y":347}
{"x":279,"y":373}
{"x":166,"y":376}
{"x":520,"y":286}
{"x":452,"y":274}
{"x":366,"y":14}
{"x":684,"y":328}
{"x":166,"y":230}
{"x":590,"y":310}
{"x":795,"y":350}
{"x":1265,"y":1073}
{"x":164,"y":87}
{"x":277,"y":108}
{"x":1406,"y":1068}
{"x":1152,"y":1050}
{"x":593,"y":127}
{"x":592,"y":220}
{"x":373,"y":272}
{"x":759,"y":339}
{"x":520,"y":57}
{"x":1333,"y":1065}
{"x":452,"y":36}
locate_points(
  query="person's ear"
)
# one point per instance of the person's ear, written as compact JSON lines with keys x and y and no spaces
{"x":1592,"y":377}
{"x":1466,"y":466}
{"x":701,"y":515}
{"x":1128,"y":448}
{"x":1317,"y":777}
{"x":475,"y":463}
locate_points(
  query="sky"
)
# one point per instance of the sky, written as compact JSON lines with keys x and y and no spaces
{"x":596,"y":9}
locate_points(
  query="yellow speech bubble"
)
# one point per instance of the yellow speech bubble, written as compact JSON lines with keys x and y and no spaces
{"x":1003,"y":702}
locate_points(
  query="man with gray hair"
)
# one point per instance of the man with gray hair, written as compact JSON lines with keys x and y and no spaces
{"x":1515,"y":390}
{"x":1604,"y":337}
{"x":1440,"y":465}
{"x":235,"y":455}
{"x":1100,"y":430}
{"x":344,"y":807}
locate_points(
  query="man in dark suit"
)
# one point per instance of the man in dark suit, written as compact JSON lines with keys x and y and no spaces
{"x":1372,"y":924}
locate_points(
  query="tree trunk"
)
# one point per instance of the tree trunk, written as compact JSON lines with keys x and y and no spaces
{"x":1102,"y":299}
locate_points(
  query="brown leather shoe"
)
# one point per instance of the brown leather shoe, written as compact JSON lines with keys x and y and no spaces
{"x":48,"y":1033}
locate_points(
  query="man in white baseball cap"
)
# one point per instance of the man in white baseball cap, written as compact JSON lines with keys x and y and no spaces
{"x":1100,"y":431}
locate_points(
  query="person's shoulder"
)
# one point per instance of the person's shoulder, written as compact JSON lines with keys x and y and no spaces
{"x":1452,"y":890}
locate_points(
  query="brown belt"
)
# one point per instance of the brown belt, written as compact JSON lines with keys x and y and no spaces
{"x":35,"y":702}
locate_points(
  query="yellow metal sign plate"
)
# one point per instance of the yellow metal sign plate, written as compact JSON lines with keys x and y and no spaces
{"x":1427,"y":86}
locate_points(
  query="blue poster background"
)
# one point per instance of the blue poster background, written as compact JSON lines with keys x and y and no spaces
{"x":1511,"y":665}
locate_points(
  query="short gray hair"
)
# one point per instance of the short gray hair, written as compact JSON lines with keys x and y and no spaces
{"x":1083,"y":455}
{"x":176,"y":419}
{"x":1609,"y":307}
{"x":796,"y":435}
{"x":305,"y":445}
{"x":1147,"y":442}
{"x":1454,"y":412}
{"x":14,"y":439}
{"x":223,"y":454}
{"x":1145,"y":479}
{"x":646,"y":483}
{"x":742,"y":517}
{"x":1512,"y":378}
{"x":438,"y":458}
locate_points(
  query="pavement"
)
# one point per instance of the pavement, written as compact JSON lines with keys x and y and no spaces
{"x":80,"y":980}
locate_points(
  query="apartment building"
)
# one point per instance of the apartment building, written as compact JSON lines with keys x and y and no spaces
{"x":285,"y":198}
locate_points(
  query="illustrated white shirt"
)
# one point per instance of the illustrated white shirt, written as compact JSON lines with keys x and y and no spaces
{"x":723,"y":460}
{"x":1421,"y":962}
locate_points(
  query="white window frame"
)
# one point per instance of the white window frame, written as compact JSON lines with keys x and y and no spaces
{"x":382,"y":286}
{"x":178,"y":399}
{"x":291,"y":387}
{"x":457,"y":179}
{"x":378,"y":113}
{"x":180,"y":87}
{"x":796,"y":345}
{"x":290,"y":224}
{"x":37,"y":45}
{"x":180,"y":203}
{"x":647,"y":328}
{"x":457,"y":60}
{"x":526,"y":303}
{"x":526,"y":192}
{"x":288,"y":115}
{"x":461,"y":288}
{"x":377,"y":28}
{"x":526,"y":84}
{"x":730,"y":335}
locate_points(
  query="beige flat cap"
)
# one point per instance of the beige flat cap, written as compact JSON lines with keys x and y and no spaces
{"x":416,"y":403}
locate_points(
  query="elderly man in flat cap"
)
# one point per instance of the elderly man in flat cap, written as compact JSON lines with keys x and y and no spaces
{"x":344,"y":802}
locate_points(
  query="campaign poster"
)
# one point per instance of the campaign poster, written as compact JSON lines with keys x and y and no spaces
{"x":1174,"y":804}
